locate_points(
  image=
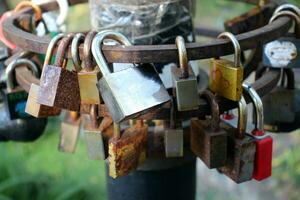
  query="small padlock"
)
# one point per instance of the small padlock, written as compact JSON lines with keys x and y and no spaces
{"x":173,"y":137}
{"x":281,"y":106}
{"x":208,"y":140}
{"x":69,"y":132}
{"x":32,"y":106}
{"x":127,"y":150}
{"x":97,"y":135}
{"x":185,"y":82}
{"x":264,"y":142}
{"x":130,"y":92}
{"x":226,"y":77}
{"x":240,"y":149}
{"x":90,"y":75}
{"x":16,"y":97}
{"x":283,"y":52}
{"x":58,"y":86}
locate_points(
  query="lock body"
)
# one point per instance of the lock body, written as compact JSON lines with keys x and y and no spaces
{"x":173,"y":143}
{"x":226,"y":79}
{"x":208,"y":144}
{"x":127,"y":152}
{"x":38,"y":110}
{"x":282,"y":53}
{"x":186,"y":90}
{"x":89,"y":93}
{"x":59,"y":88}
{"x":142,"y":84}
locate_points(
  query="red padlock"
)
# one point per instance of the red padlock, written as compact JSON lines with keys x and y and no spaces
{"x":264,"y":142}
{"x":2,"y":37}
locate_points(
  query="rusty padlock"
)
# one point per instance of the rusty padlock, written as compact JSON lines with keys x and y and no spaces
{"x":208,"y":139}
{"x":58,"y":86}
{"x":130,"y":92}
{"x":32,"y":106}
{"x":240,"y":149}
{"x":127,"y":150}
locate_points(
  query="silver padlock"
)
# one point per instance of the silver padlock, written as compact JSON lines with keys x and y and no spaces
{"x":185,"y":82}
{"x":130,"y":92}
{"x":283,"y":52}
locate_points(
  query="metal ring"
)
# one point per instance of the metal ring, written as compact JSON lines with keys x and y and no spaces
{"x":77,"y":40}
{"x":236,"y":45}
{"x":37,"y":10}
{"x":97,"y":47}
{"x":242,"y":118}
{"x":258,"y":105}
{"x":183,"y":58}
{"x":63,"y":11}
{"x":12,"y":66}
{"x":51,"y":47}
{"x":291,"y":7}
{"x":295,"y":17}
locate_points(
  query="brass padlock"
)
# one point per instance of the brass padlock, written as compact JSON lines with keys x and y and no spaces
{"x":32,"y":106}
{"x":129,"y":92}
{"x":283,"y":52}
{"x":226,"y":77}
{"x":185,"y":82}
{"x":127,"y":150}
{"x":240,"y":149}
{"x":90,"y":75}
{"x":69,"y":132}
{"x":208,"y":139}
{"x":173,"y":136}
{"x":59,"y":86}
{"x":97,"y":134}
{"x":14,"y":96}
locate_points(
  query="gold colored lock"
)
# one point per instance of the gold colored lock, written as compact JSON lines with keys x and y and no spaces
{"x":226,"y":77}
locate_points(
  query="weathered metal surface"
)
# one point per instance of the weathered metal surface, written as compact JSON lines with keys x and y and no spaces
{"x":153,"y":53}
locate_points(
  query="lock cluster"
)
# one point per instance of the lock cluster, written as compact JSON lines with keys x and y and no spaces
{"x":129,"y":114}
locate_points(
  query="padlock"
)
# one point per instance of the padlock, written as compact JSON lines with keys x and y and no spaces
{"x":226,"y":77}
{"x":281,"y":106}
{"x":283,"y":52}
{"x":208,"y":140}
{"x":59,"y":86}
{"x":90,"y":75}
{"x":240,"y":149}
{"x":173,"y":136}
{"x":264,"y":142}
{"x":127,"y":150}
{"x":185,"y":82}
{"x":97,"y":134}
{"x":130,"y":92}
{"x":32,"y":106}
{"x":69,"y":132}
{"x":15,"y":96}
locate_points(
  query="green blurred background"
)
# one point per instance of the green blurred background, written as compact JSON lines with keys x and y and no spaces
{"x":38,"y":171}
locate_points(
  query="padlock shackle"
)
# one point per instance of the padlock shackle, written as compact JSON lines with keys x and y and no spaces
{"x":242,"y":118}
{"x":94,"y":116}
{"x":236,"y":45}
{"x":287,"y":6}
{"x":117,"y":131}
{"x":60,"y":58}
{"x":13,"y":65}
{"x":258,"y":106}
{"x":77,"y":40}
{"x":291,"y":14}
{"x":51,"y":48}
{"x":183,"y":57}
{"x":214,"y":107}
{"x":97,"y":48}
{"x":88,"y":60}
{"x":36,"y":9}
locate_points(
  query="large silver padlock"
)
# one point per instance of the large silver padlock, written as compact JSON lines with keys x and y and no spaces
{"x":130,"y":92}
{"x":285,"y":51}
{"x":185,"y":82}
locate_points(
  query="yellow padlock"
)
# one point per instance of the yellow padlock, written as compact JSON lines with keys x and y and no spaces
{"x":226,"y":77}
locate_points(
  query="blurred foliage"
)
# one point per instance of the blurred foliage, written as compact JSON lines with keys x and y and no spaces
{"x":38,"y":171}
